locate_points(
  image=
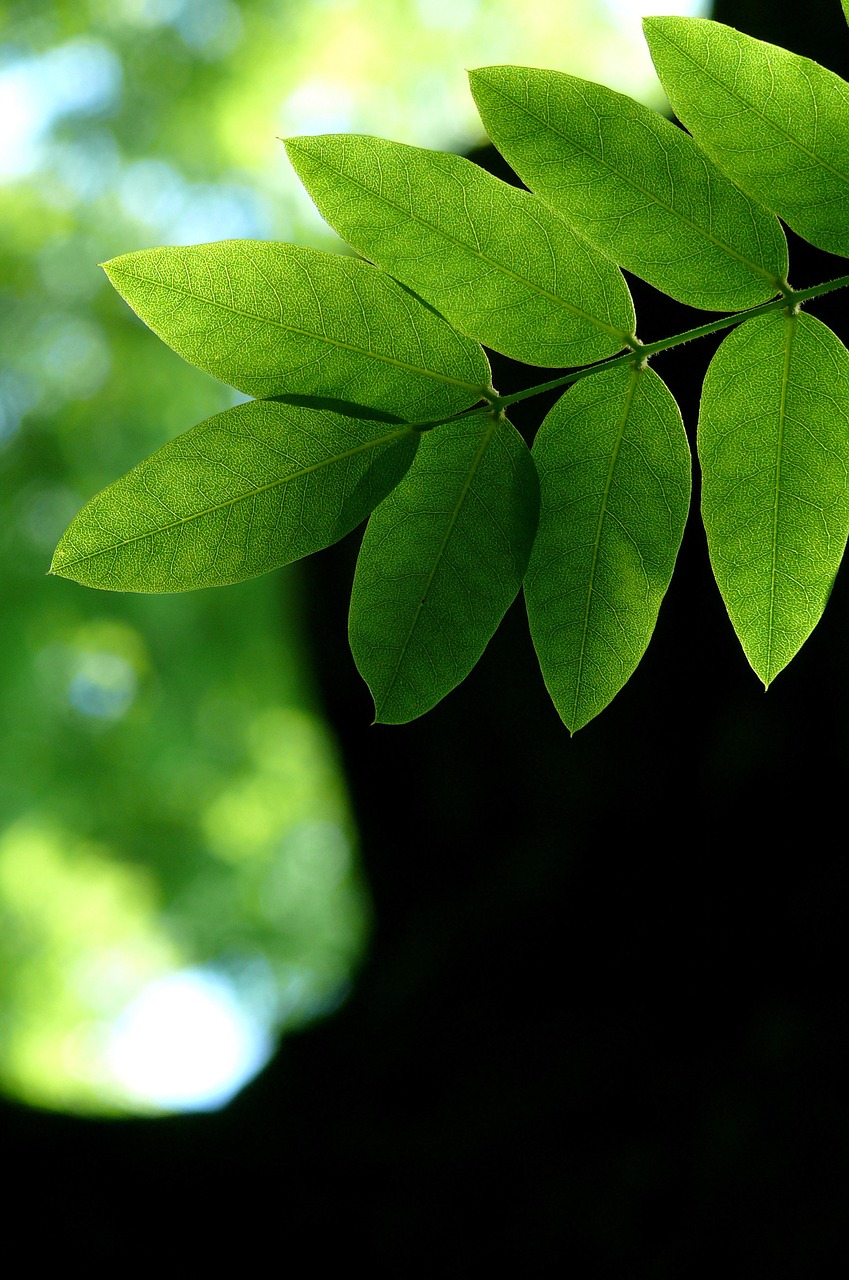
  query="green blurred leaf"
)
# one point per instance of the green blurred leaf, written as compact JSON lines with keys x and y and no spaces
{"x":775,"y":122}
{"x":442,"y":559}
{"x":773,"y":447}
{"x":277,"y":319}
{"x":614,"y":474}
{"x":253,"y":488}
{"x":634,"y":185}
{"x":495,"y":261}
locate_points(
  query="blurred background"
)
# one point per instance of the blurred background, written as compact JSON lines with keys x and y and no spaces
{"x":176,"y":847}
{"x":538,"y":995}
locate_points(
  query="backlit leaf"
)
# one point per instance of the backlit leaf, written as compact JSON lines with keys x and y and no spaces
{"x":634,"y":185}
{"x":775,"y":122}
{"x":248,"y":490}
{"x":442,"y":559}
{"x":278,"y":319}
{"x":614,"y":474}
{"x":495,"y":261}
{"x":774,"y":451}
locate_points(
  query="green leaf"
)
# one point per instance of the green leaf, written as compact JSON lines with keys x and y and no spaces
{"x":845,"y":4}
{"x":773,"y":446}
{"x":279,"y":319}
{"x":442,"y":559}
{"x":634,"y":185}
{"x":253,"y":488}
{"x":495,"y":261}
{"x":775,"y":122}
{"x":614,"y":474}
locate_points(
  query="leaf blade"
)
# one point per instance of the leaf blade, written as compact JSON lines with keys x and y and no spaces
{"x":276,"y":319}
{"x":634,"y":185}
{"x":246,"y":491}
{"x":775,"y":122}
{"x":614,"y":470}
{"x":773,"y":442}
{"x":495,"y":261}
{"x":441,"y":561}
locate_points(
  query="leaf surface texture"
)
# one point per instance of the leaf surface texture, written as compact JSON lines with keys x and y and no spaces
{"x":773,"y":444}
{"x":614,"y":474}
{"x":441,"y":561}
{"x":280,"y":319}
{"x":634,"y":185}
{"x":248,"y":490}
{"x":495,"y":261}
{"x":775,"y":122}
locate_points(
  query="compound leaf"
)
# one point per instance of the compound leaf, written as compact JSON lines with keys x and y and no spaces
{"x":442,"y":559}
{"x":614,"y":474}
{"x":280,"y":319}
{"x":495,"y":261}
{"x":775,"y":122}
{"x":773,"y":445}
{"x":248,"y":490}
{"x":634,"y":185}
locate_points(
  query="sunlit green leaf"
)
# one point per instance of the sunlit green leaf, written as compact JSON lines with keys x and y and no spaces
{"x":614,"y":474}
{"x":495,"y":261}
{"x":280,"y":319}
{"x":775,"y":122}
{"x":442,"y":559}
{"x":250,"y":489}
{"x":774,"y":452}
{"x":634,"y":185}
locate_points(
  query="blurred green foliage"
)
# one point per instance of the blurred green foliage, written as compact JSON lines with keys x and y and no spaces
{"x":169,"y":795}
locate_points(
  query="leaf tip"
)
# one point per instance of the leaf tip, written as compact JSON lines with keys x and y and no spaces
{"x":301,"y":150}
{"x":582,"y":716}
{"x":479,"y":74}
{"x":657,"y":21}
{"x":305,"y":143}
{"x":664,"y":26}
{"x":653,"y":27}
{"x":111,"y":269}
{"x":766,"y":677}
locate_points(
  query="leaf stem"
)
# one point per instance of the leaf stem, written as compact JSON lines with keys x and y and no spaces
{"x":790,"y":299}
{"x":464,"y":413}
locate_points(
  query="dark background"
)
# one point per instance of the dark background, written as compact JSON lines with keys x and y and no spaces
{"x":603,"y":1023}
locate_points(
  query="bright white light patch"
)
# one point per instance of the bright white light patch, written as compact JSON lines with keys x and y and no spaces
{"x":632,"y":11}
{"x":82,"y":77}
{"x":185,"y":1044}
{"x":447,"y":15}
{"x":319,"y":106}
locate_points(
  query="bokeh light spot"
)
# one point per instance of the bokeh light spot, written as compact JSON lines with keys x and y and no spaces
{"x":186,"y":1043}
{"x":103,"y":687}
{"x":82,"y":77}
